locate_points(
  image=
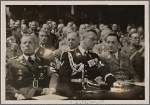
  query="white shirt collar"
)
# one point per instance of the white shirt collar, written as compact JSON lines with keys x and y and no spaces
{"x":42,"y":45}
{"x":81,"y":50}
{"x":116,"y":55}
{"x":32,"y":56}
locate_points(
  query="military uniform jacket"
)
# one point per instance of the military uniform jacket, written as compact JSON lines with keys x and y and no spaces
{"x":70,"y":68}
{"x":130,"y":49}
{"x":120,"y":66}
{"x":21,"y":73}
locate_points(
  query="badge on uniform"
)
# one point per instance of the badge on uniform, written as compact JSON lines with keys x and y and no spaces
{"x":92,"y":62}
{"x":35,"y":83}
{"x":61,"y":63}
{"x":78,"y":54}
{"x":20,"y":74}
{"x":100,"y":62}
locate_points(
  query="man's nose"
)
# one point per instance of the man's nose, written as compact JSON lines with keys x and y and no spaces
{"x":70,"y":41}
{"x":110,"y":44}
{"x":96,"y":42}
{"x":27,"y":44}
{"x":138,"y":39}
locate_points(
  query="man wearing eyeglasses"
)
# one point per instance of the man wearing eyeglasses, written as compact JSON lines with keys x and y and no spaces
{"x":82,"y":65}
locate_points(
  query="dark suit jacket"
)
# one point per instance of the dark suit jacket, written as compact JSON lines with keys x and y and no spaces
{"x":21,"y":73}
{"x":53,"y":40}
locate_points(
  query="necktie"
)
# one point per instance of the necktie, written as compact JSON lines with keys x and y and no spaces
{"x":30,"y":60}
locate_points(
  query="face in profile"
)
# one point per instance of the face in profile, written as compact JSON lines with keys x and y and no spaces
{"x":73,"y":40}
{"x":112,"y":44}
{"x":28,"y":45}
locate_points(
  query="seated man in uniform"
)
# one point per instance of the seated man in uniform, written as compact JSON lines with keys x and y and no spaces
{"x":125,"y":40}
{"x":118,"y":63}
{"x":134,"y":45}
{"x":80,"y":65}
{"x":12,"y":45}
{"x":29,"y":75}
{"x":72,"y":41}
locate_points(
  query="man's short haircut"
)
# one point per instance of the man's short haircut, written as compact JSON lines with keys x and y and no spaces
{"x":34,"y":37}
{"x":91,"y":30}
{"x":130,"y":34}
{"x":87,"y":31}
{"x":114,"y":34}
{"x":41,"y":32}
{"x":74,"y":33}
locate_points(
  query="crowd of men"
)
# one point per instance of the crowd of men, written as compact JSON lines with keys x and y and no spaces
{"x":58,"y":58}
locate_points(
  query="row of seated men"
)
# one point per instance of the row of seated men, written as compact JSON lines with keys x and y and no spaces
{"x":39,"y":69}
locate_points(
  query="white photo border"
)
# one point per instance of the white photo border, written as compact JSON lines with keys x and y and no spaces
{"x":3,"y":51}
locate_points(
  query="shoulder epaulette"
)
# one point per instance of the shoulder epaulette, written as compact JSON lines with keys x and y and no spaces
{"x":13,"y":58}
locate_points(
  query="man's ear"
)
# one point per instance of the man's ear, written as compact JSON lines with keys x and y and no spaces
{"x":129,"y":38}
{"x":81,"y":38}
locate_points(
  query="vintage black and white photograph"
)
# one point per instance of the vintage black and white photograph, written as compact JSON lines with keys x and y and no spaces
{"x":74,"y":52}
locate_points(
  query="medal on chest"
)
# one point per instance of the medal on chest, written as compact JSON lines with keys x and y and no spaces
{"x":92,"y":62}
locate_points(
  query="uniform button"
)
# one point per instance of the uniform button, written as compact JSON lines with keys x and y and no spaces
{"x":85,"y":75}
{"x":85,"y":70}
{"x":85,"y":65}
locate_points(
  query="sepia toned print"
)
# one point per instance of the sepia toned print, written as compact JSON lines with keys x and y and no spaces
{"x":68,"y":52}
